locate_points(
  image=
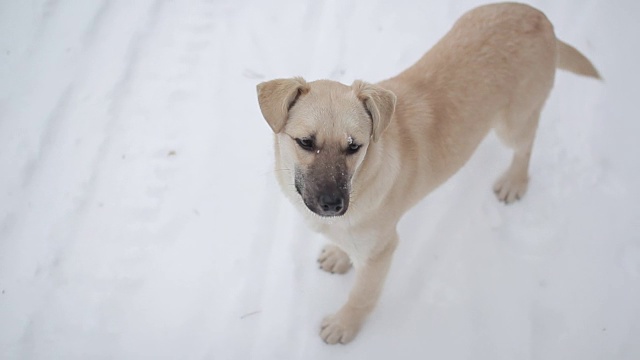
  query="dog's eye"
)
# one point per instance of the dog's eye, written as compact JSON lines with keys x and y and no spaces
{"x":353,"y":148}
{"x":306,"y":144}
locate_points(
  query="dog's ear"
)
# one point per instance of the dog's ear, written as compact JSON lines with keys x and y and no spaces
{"x":276,"y":97}
{"x":379,"y":103}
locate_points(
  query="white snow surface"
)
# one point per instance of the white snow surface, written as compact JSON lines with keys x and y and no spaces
{"x":140,"y":217}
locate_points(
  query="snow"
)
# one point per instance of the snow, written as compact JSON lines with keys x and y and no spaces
{"x":140,"y":218}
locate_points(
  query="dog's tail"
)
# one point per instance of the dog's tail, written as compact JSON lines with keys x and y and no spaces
{"x":572,"y":60}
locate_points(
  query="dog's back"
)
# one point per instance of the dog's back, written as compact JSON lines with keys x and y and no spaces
{"x":494,"y":69}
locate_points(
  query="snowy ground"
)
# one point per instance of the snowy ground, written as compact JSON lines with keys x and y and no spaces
{"x":139,"y":217}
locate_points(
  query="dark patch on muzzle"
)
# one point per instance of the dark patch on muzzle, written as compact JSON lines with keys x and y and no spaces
{"x":324,"y":186}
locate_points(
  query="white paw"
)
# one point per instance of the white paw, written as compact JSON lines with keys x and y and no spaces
{"x":510,"y":188}
{"x":338,"y":329}
{"x":334,"y":260}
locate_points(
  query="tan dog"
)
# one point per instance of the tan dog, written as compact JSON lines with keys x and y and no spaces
{"x":356,"y":158}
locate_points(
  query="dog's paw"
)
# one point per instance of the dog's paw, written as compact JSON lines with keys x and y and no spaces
{"x":338,"y":328}
{"x":510,"y":188}
{"x":334,"y":260}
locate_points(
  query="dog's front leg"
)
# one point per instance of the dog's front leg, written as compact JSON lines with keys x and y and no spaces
{"x":344,"y":325}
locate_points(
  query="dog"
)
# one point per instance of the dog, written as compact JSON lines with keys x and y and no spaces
{"x":355,"y":158}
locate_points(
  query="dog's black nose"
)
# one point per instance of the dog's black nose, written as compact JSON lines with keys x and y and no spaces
{"x":331,"y":204}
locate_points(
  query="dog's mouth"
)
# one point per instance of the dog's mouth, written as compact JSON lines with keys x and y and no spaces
{"x":330,"y":200}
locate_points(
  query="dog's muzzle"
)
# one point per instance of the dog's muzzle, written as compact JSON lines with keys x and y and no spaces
{"x":328,"y":201}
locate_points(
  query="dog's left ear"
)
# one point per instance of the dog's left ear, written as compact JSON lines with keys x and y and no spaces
{"x":276,"y":97}
{"x":379,"y":103}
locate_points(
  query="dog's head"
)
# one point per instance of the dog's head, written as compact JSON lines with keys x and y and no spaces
{"x":323,"y":130}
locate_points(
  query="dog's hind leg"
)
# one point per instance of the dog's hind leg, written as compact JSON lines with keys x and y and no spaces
{"x":512,"y":185}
